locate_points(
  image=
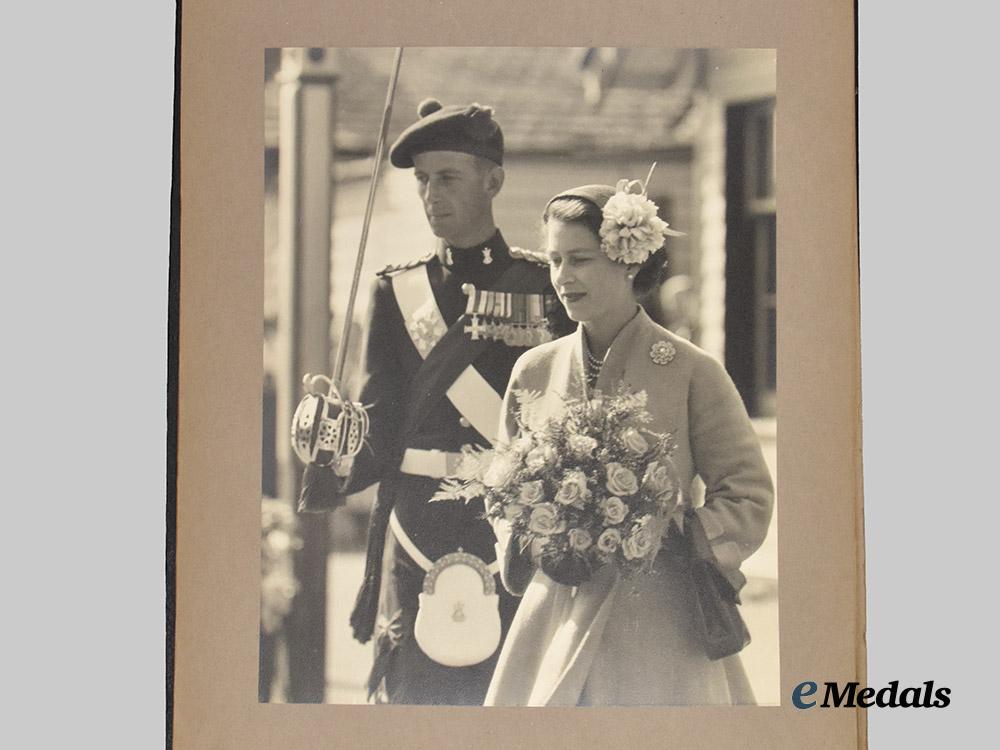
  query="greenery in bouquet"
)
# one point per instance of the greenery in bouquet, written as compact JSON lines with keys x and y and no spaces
{"x":591,"y":487}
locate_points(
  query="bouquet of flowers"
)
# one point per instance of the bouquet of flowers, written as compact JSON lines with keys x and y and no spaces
{"x":592,"y":487}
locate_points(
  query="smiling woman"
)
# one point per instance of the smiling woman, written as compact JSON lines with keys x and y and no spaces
{"x":596,"y":290}
{"x":654,"y":640}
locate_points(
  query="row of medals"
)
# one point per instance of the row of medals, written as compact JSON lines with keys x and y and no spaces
{"x":517,"y":319}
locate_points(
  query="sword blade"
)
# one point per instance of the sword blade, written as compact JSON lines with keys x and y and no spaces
{"x":338,"y":368}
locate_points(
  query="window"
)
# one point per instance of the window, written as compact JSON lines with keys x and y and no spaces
{"x":751,"y":238}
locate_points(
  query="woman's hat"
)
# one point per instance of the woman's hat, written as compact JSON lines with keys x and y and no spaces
{"x":599,"y":195}
{"x":467,"y":128}
{"x":630,"y":230}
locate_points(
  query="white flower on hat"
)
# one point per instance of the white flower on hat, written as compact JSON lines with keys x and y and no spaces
{"x":631,"y":230}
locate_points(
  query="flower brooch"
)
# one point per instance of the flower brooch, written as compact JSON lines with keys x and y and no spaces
{"x":631,"y":231}
{"x":662,"y":352}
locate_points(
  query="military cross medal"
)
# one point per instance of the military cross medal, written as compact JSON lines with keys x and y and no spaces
{"x":512,"y":317}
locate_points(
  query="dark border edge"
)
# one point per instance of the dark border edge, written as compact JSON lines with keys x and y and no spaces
{"x":173,"y":343}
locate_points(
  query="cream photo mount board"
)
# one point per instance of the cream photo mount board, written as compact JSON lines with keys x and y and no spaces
{"x":219,"y":377}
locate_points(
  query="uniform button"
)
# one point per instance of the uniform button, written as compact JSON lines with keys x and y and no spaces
{"x":464,"y":422}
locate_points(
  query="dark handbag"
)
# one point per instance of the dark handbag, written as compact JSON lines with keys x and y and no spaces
{"x":717,"y":618}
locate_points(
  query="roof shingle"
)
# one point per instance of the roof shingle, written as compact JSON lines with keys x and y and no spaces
{"x":537,"y":94}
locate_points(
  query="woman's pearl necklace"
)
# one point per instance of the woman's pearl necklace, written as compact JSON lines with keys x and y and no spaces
{"x":593,"y":365}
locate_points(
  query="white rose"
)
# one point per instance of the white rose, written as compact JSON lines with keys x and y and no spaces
{"x":634,"y":441}
{"x":545,"y":520}
{"x":512,"y":510}
{"x":573,"y":489}
{"x":539,"y":457}
{"x":621,"y":480}
{"x":582,"y":445}
{"x":532,"y":492}
{"x":609,"y":540}
{"x":658,"y":479}
{"x":638,"y":544}
{"x":614,"y":509}
{"x":644,"y":540}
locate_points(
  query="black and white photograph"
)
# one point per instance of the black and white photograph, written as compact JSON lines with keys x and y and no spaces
{"x":471,"y":349}
{"x":519,"y":377}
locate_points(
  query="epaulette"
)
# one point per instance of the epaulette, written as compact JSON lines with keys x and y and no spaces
{"x":405,"y":266}
{"x":529,"y":255}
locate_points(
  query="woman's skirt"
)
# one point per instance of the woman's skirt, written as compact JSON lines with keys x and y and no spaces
{"x":613,"y":642}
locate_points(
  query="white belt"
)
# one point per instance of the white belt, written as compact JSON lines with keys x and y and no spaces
{"x":411,"y":549}
{"x":430,"y":463}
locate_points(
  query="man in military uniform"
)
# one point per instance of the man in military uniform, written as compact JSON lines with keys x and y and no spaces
{"x":443,"y":334}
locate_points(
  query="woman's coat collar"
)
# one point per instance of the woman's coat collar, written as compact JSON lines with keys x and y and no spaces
{"x":617,"y":357}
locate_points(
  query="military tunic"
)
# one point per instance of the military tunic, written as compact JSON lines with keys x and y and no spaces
{"x":410,"y":410}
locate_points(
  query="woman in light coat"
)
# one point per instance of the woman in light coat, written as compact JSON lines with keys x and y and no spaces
{"x":611,"y":641}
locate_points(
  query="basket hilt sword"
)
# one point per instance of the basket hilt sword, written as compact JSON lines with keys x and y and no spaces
{"x":327,"y":428}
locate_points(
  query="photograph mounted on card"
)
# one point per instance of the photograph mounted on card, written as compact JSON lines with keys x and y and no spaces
{"x":511,"y":333}
{"x":434,"y":201}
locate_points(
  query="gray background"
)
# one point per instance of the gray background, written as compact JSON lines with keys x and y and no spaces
{"x":928,"y":161}
{"x":88,"y":158}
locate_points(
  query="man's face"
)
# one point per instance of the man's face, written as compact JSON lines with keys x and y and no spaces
{"x":457,"y":191}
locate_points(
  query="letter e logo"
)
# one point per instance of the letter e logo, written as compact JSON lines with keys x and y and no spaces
{"x":803,"y":690}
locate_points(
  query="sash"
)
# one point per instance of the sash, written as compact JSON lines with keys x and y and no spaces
{"x":446,"y":370}
{"x":448,"y":355}
{"x":410,"y":547}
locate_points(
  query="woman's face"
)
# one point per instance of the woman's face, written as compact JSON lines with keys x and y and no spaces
{"x":589,"y":284}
